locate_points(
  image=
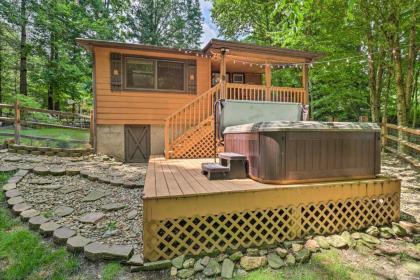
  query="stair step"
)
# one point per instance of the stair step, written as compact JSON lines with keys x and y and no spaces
{"x":231,"y":156}
{"x":214,"y":167}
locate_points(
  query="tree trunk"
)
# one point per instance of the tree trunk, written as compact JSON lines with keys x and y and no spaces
{"x":1,"y":67}
{"x":411,"y":59}
{"x":23,"y":82}
{"x":50,"y":79}
{"x":415,"y":95}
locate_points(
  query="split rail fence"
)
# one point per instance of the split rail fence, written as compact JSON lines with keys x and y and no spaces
{"x":402,"y":141}
{"x":21,"y":116}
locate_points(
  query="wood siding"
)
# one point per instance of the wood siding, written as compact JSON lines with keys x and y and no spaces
{"x":141,"y":107}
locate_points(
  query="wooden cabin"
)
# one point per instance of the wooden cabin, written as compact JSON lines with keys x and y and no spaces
{"x":151,"y":100}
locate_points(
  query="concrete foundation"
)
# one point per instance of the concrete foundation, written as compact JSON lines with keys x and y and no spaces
{"x":110,"y":140}
{"x":157,"y":139}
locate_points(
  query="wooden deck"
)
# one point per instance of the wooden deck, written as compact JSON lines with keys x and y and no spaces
{"x":184,"y":213}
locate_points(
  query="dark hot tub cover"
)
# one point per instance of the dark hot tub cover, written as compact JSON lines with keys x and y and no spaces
{"x":302,"y":126}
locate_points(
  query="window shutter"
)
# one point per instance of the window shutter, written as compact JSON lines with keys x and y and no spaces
{"x":116,"y":69}
{"x":191,"y":76}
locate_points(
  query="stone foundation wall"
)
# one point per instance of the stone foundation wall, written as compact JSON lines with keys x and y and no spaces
{"x":110,"y":140}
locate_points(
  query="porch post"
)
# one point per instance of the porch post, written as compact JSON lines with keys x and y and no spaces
{"x":267,"y":82}
{"x":223,"y":52}
{"x":305,"y":83}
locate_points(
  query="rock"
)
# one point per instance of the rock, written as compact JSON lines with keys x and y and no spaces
{"x":212,"y":269}
{"x":48,"y":228}
{"x":416,"y":239}
{"x":69,"y":189}
{"x":386,"y":232}
{"x":274,"y":261}
{"x":9,"y":186}
{"x":290,"y":259}
{"x":72,"y":171}
{"x":410,"y":228}
{"x":178,"y":261}
{"x":113,"y":206}
{"x":236,"y":256}
{"x":312,"y":245}
{"x":188,"y":263}
{"x":198,"y":266}
{"x":389,"y":249}
{"x":221,"y":257}
{"x":58,"y":171}
{"x":322,"y":241}
{"x":205,"y":260}
{"x":132,"y":214}
{"x":174,"y":271}
{"x":40,"y":170}
{"x":118,"y":252}
{"x":399,"y":230}
{"x":303,"y":255}
{"x":250,"y":262}
{"x":185,"y":273}
{"x":374,"y":231}
{"x":281,"y":252}
{"x":110,"y":233}
{"x":263,"y":252}
{"x":337,"y":241}
{"x":15,"y":200}
{"x":92,"y":218}
{"x":253,"y":252}
{"x":296,"y":247}
{"x":13,"y":159}
{"x":362,"y":248}
{"x":41,"y":181}
{"x":132,"y":185}
{"x":93,"y":177}
{"x":50,"y":187}
{"x":95,"y":195}
{"x":27,"y":214}
{"x":77,"y":243}
{"x":227,"y":268}
{"x":349,"y":240}
{"x":94,"y":251}
{"x":63,"y":211}
{"x":136,"y":259}
{"x":158,"y":265}
{"x":413,"y":267}
{"x":12,"y":193}
{"x":369,"y":238}
{"x":104,"y":179}
{"x":116,"y":182}
{"x":37,"y":221}
{"x":240,"y":273}
{"x":18,"y":208}
{"x":8,"y":169}
{"x":61,"y":235}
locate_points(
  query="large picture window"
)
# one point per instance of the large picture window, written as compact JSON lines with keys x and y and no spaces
{"x":152,"y":74}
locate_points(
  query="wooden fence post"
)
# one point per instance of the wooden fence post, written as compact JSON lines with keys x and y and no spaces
{"x":384,"y":131}
{"x":17,"y":122}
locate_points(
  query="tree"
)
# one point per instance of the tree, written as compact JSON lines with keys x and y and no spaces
{"x":175,"y":23}
{"x":23,"y":84}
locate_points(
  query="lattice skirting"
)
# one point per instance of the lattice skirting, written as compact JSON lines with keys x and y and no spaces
{"x":197,"y":235}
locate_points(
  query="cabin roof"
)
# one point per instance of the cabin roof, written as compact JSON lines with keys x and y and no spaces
{"x":214,"y":45}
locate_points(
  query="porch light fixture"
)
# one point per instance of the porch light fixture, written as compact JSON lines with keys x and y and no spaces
{"x":224,"y":50}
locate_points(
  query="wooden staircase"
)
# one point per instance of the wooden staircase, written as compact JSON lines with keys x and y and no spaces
{"x":189,"y":131}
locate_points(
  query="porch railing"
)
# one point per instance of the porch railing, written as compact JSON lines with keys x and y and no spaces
{"x":201,"y":108}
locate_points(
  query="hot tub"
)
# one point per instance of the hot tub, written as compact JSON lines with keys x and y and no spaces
{"x":283,"y":152}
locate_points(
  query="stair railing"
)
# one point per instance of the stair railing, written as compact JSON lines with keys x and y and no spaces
{"x":189,"y":116}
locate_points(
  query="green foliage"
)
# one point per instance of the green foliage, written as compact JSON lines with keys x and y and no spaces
{"x":24,"y":256}
{"x":111,"y":271}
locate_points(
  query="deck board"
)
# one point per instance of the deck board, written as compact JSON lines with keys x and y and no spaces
{"x":182,"y":177}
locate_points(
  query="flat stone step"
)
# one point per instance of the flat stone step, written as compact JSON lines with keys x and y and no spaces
{"x":76,"y":243}
{"x":58,"y":171}
{"x":37,"y":221}
{"x":63,"y":211}
{"x":15,"y":200}
{"x":113,"y":206}
{"x":61,"y":235}
{"x":40,"y":170}
{"x":27,"y":214}
{"x":94,"y":251}
{"x":18,"y":208}
{"x":92,"y":218}
{"x":72,"y":171}
{"x":9,"y":186}
{"x":48,"y":228}
{"x":118,"y":252}
{"x":12,"y":193}
{"x":214,"y":167}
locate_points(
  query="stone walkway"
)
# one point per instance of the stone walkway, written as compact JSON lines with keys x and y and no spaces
{"x":94,"y":197}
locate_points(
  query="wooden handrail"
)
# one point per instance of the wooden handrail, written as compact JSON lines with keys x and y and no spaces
{"x":402,"y":128}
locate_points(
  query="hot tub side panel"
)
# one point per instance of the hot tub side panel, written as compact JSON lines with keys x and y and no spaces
{"x":331,"y":155}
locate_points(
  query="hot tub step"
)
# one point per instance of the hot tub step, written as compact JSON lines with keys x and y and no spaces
{"x":214,"y":171}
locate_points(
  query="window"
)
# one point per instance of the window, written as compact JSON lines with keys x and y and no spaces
{"x":140,"y":73}
{"x":154,"y":74}
{"x":170,"y":75}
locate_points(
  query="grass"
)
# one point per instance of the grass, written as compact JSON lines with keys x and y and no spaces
{"x":56,"y":133}
{"x":325,"y":265}
{"x":111,"y":271}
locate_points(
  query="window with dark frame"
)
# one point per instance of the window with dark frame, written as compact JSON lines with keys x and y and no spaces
{"x":154,"y":74}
